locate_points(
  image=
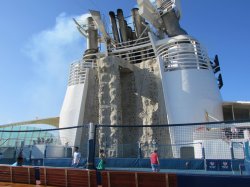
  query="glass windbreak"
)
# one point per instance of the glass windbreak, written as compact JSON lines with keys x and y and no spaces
{"x":5,"y":137}
{"x":19,"y":139}
{"x":14,"y":137}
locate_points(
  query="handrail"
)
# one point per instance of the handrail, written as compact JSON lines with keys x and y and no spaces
{"x":167,"y":5}
{"x":130,"y":43}
{"x":78,"y":70}
{"x":52,"y":140}
{"x":183,"y":54}
{"x":135,"y":53}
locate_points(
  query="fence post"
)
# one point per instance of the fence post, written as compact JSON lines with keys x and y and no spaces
{"x":91,"y":147}
{"x":139,"y":150}
{"x":232,"y":151}
{"x":203,"y":151}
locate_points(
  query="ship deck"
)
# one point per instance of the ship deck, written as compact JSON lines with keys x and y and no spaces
{"x":9,"y":184}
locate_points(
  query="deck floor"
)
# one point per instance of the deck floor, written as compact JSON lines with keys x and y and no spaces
{"x":9,"y":184}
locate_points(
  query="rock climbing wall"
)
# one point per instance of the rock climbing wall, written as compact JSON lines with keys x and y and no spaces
{"x":123,"y":94}
{"x":143,"y":104}
{"x":109,"y":103}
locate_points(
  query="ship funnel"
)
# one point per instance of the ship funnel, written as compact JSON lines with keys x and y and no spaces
{"x":122,"y":25}
{"x":165,"y":16}
{"x":139,"y":22}
{"x":92,"y":38}
{"x":170,"y":18}
{"x":129,"y":33}
{"x":172,"y":25}
{"x":114,"y":26}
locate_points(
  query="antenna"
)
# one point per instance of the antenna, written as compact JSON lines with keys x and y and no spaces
{"x":81,"y":28}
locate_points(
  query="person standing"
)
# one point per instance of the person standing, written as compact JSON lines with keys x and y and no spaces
{"x":76,"y":157}
{"x":101,"y":164}
{"x":154,"y":160}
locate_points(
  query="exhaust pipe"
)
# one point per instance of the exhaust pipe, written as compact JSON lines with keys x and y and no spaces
{"x":114,"y":26}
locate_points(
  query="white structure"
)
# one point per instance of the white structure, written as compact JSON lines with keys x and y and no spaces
{"x":72,"y":112}
{"x":191,"y":92}
{"x":190,"y":89}
{"x":73,"y":109}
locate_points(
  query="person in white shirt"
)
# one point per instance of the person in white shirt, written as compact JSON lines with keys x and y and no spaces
{"x":76,"y":157}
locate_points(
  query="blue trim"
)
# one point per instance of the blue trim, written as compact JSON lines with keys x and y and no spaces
{"x":212,"y":181}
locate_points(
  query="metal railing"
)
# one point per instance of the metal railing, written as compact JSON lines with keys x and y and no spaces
{"x":183,"y":54}
{"x":18,"y":142}
{"x":166,"y":6}
{"x":78,"y":71}
{"x":128,"y":44}
{"x":217,"y":140}
{"x":133,"y":51}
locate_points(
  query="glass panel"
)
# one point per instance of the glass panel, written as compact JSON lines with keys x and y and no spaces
{"x":6,"y":136}
{"x":1,"y":134}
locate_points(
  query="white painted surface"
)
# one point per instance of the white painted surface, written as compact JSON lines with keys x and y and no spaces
{"x":246,"y":134}
{"x":191,"y":95}
{"x":72,"y":112}
{"x":219,"y":149}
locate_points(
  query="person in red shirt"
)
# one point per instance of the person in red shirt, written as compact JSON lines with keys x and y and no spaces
{"x":154,"y":160}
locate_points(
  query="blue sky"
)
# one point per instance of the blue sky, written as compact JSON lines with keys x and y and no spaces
{"x":38,"y":41}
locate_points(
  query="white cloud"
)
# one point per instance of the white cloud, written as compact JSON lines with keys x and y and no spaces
{"x":82,"y":19}
{"x":51,"y":51}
